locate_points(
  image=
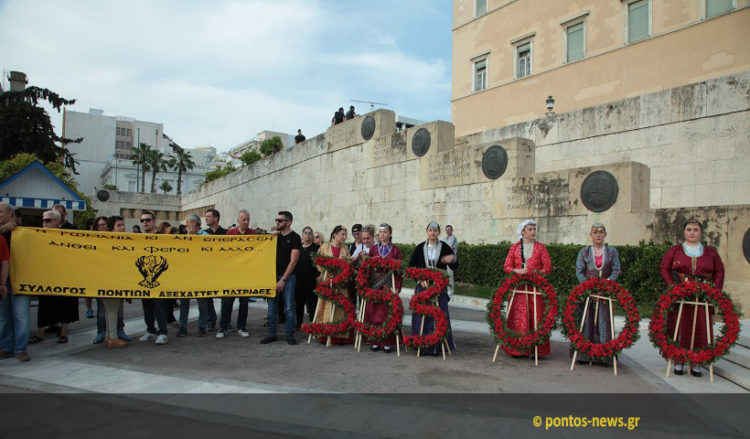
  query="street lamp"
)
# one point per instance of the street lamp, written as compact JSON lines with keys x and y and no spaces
{"x":550,"y":105}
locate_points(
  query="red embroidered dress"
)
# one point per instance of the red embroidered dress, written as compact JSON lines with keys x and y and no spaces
{"x":676,"y":266}
{"x":520,"y":317}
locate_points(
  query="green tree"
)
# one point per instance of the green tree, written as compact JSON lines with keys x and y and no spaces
{"x":165,"y":186}
{"x":271,"y":146}
{"x":181,"y":162}
{"x":156,"y":162}
{"x":140,"y":158}
{"x":249,"y":157}
{"x":25,"y":127}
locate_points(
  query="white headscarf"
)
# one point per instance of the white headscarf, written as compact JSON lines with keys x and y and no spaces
{"x":523,"y":225}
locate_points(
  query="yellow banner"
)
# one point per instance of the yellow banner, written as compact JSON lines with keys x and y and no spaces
{"x":134,"y":265}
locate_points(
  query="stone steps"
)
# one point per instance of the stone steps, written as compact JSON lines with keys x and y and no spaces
{"x":733,"y":372}
{"x":735,"y":366}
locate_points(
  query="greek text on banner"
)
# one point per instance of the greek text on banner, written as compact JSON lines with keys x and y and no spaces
{"x":133,"y":265}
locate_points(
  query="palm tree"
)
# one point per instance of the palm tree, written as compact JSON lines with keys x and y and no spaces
{"x":156,"y":162}
{"x":140,"y":158}
{"x":181,"y":162}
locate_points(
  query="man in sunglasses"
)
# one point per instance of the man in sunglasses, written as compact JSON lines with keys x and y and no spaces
{"x":154,"y":309}
{"x":288,"y":245}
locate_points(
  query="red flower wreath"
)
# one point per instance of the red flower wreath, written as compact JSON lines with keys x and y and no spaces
{"x":705,"y":293}
{"x":425,"y":303}
{"x":393,"y":322}
{"x":606,"y":288}
{"x":519,"y":340}
{"x":329,"y":290}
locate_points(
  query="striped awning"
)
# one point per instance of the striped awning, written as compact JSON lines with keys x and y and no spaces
{"x":43,"y":203}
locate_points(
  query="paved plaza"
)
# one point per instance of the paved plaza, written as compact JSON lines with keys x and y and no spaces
{"x":180,"y":376}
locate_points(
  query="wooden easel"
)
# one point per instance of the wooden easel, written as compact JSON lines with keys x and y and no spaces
{"x":695,"y":304}
{"x":443,"y":345}
{"x":317,"y":306}
{"x":596,"y":322}
{"x":535,"y":293}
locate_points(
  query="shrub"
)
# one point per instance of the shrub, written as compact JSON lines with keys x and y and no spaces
{"x":482,"y":264}
{"x":271,"y":146}
{"x":249,"y":157}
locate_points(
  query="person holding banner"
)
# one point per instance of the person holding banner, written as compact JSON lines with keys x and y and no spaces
{"x":55,"y":309}
{"x":598,"y":260}
{"x":193,"y":226}
{"x":14,"y":308}
{"x":433,"y":253}
{"x":377,"y":313}
{"x":334,"y":248}
{"x":154,"y":310}
{"x":243,"y":228}
{"x":691,"y":261}
{"x":525,"y":256}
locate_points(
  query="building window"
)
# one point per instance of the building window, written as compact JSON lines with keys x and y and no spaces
{"x":480,"y":7}
{"x":718,"y":7}
{"x":523,"y":60}
{"x":480,"y":75}
{"x":575,"y":41}
{"x":639,"y":20}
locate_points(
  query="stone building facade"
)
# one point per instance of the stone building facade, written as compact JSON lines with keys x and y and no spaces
{"x":640,"y":165}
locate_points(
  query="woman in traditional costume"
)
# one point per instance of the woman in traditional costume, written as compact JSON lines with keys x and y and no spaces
{"x":691,"y":261}
{"x":334,"y":248}
{"x":525,"y":256}
{"x":377,"y":313}
{"x":433,"y":253}
{"x":601,"y":261}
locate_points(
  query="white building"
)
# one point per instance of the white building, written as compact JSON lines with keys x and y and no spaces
{"x":105,"y":153}
{"x":254,"y":144}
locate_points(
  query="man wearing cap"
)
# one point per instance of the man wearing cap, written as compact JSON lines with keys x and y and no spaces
{"x":357,"y":233}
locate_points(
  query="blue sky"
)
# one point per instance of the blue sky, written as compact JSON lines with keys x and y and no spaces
{"x":217,"y":72}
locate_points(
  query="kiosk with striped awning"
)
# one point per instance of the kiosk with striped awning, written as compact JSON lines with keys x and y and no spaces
{"x":36,"y":187}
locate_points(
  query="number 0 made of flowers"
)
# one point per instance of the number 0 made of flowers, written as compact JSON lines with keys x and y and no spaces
{"x":604,"y":288}
{"x":384,"y":294}
{"x":339,"y":271}
{"x":689,"y":291}
{"x":496,"y":319}
{"x":425,"y":303}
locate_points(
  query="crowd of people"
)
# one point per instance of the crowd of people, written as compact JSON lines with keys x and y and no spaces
{"x":297,"y":277}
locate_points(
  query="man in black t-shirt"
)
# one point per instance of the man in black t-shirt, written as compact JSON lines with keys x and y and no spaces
{"x":213,"y":228}
{"x":338,"y":117}
{"x":351,"y":114}
{"x":63,"y":213}
{"x":288,"y":245}
{"x":299,"y":138}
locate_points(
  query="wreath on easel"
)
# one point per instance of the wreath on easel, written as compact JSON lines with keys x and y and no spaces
{"x":604,"y":288}
{"x":701,"y":292}
{"x":497,"y":319}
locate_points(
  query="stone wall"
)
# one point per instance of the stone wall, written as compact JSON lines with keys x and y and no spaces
{"x":645,"y":158}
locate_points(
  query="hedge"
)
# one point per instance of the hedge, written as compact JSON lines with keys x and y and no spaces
{"x":481,"y":264}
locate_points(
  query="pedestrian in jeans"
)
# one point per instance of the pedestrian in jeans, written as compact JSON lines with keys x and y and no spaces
{"x":288,"y":245}
{"x":193,"y":225}
{"x":243,"y":228}
{"x":14,"y":308}
{"x":154,"y":310}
